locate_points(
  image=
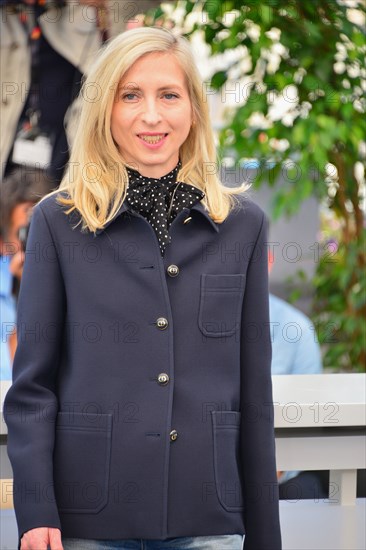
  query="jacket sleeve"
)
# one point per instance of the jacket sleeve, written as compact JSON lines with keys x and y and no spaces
{"x":257,"y":442}
{"x":31,"y":405}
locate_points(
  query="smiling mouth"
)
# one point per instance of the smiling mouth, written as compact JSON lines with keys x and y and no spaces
{"x":152,"y":139}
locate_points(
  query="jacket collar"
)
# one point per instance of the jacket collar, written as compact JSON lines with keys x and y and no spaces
{"x":199,"y":207}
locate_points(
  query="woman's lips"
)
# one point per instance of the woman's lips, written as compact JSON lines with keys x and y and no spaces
{"x":152,"y":141}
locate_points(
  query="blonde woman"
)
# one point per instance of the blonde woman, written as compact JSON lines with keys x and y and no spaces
{"x":141,"y":412}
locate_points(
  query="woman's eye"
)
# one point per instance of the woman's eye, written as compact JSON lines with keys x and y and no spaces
{"x":129,"y":96}
{"x":132,"y":96}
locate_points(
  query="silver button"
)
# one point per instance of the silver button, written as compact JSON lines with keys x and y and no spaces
{"x":173,"y":435}
{"x":187,"y":220}
{"x":163,"y":379}
{"x":162,"y":323}
{"x":173,"y":270}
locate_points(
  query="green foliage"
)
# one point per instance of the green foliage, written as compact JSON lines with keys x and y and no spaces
{"x":339,"y":307}
{"x":311,"y":55}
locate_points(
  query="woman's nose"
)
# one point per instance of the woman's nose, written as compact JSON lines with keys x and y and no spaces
{"x":151,"y":113}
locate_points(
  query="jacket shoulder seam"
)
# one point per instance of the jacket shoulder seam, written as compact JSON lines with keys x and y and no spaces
{"x":52,"y":236}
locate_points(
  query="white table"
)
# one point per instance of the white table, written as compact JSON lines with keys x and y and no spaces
{"x":320,"y":424}
{"x":308,"y":525}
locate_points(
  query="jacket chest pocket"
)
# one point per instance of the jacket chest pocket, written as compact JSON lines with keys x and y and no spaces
{"x":221,"y":298}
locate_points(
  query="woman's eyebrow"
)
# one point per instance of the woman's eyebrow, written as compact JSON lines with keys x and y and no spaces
{"x":137,"y":88}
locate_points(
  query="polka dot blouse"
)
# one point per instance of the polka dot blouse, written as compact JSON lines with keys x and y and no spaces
{"x":153,"y":197}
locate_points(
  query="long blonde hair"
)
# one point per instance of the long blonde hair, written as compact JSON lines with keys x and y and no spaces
{"x":96,"y":179}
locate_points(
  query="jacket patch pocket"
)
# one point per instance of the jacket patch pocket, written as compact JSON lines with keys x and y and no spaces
{"x":81,"y":461}
{"x":226,"y":432}
{"x":220,"y":306}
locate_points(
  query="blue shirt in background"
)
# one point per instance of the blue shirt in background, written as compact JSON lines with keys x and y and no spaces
{"x":7,"y":317}
{"x":295,"y":347}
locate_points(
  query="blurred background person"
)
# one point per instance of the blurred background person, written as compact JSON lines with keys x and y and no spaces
{"x":19,"y":192}
{"x":296,"y":349}
{"x":46,"y":47}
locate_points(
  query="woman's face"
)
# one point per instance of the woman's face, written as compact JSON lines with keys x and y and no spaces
{"x":152,"y":114}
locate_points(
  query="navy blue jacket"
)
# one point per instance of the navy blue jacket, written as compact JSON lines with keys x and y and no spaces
{"x":141,"y":404}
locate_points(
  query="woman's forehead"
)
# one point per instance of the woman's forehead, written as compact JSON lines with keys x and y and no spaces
{"x":155,"y":67}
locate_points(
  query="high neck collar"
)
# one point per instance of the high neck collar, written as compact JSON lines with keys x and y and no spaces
{"x":170,"y":177}
{"x":160,"y":200}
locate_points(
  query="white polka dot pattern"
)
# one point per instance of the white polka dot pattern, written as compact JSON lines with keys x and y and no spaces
{"x":151,"y":197}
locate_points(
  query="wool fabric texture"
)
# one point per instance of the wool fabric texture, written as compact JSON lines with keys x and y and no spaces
{"x":152,"y":197}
